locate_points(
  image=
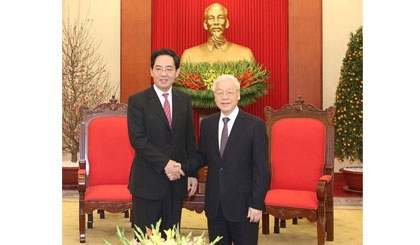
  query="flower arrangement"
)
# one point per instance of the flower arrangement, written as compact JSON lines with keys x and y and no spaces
{"x":153,"y":237}
{"x":196,"y":79}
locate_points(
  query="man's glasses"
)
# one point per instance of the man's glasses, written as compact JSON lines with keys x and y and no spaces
{"x":229,"y":93}
{"x":159,"y":69}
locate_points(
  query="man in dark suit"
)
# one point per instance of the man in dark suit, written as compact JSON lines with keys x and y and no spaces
{"x":161,"y":131}
{"x":234,"y":146}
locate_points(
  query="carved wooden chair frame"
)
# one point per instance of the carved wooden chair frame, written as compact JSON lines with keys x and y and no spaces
{"x":324,"y":215}
{"x":113,"y":108}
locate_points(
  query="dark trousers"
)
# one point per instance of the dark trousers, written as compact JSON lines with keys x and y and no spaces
{"x":147,"y":212}
{"x":240,"y":233}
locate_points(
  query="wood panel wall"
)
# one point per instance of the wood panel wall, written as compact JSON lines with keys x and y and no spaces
{"x":136,"y":43}
{"x":305,"y":51}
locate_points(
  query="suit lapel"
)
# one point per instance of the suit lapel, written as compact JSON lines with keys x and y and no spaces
{"x":156,"y":106}
{"x":176,"y":107}
{"x":214,"y":133}
{"x":236,"y":130}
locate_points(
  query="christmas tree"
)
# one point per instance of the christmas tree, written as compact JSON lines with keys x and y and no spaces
{"x":349,"y":102}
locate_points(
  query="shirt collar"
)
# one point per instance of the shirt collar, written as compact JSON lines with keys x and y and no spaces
{"x":159,"y":92}
{"x":232,"y":116}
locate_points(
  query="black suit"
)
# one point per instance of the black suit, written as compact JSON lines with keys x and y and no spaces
{"x":239,"y":179}
{"x":155,"y":143}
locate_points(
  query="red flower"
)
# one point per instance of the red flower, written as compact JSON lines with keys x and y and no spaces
{"x":245,"y":80}
{"x":193,"y":81}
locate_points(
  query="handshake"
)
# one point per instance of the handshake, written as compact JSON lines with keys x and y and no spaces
{"x":173,"y":170}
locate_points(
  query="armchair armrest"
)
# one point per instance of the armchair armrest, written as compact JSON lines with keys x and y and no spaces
{"x":328,"y":169}
{"x":326,"y":178}
{"x":82,"y":164}
{"x":321,"y":187}
{"x":81,"y":180}
{"x":81,"y":177}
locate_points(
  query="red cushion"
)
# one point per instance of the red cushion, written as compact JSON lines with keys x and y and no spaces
{"x":290,"y":198}
{"x":297,"y":153}
{"x":109,"y":151}
{"x":107,"y":193}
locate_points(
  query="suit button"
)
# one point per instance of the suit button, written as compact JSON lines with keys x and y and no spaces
{"x":220,"y":169}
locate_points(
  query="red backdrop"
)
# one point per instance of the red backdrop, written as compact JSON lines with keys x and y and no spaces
{"x":261,"y":25}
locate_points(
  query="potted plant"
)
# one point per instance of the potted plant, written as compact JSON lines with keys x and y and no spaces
{"x":349,"y":112}
{"x":85,"y":79}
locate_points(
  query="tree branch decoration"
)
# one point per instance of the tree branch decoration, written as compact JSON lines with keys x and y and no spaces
{"x":349,"y":102}
{"x":84,"y":77}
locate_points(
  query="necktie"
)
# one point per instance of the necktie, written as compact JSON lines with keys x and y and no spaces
{"x":224,"y":137}
{"x":167,"y":109}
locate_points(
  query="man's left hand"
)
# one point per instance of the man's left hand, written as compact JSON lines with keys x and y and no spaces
{"x":192,"y":185}
{"x":254,"y":215}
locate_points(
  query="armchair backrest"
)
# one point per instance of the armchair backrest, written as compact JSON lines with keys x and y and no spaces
{"x":301,"y":145}
{"x":105,"y":145}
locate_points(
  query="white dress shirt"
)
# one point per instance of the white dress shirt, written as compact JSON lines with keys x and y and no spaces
{"x":232,"y":117}
{"x":162,"y":98}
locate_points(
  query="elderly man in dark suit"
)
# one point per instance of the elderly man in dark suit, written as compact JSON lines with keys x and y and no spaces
{"x":234,"y":146}
{"x":161,"y":131}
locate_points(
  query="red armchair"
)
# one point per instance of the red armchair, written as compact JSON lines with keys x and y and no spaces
{"x":301,"y":155}
{"x":105,"y":162}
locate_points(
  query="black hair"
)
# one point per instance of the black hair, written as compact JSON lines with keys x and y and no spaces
{"x":165,"y":51}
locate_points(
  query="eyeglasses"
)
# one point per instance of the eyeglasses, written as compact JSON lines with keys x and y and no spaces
{"x":229,"y":93}
{"x":159,"y":69}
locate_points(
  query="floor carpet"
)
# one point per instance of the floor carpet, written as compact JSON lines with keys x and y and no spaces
{"x":348,"y":227}
{"x":339,"y":183}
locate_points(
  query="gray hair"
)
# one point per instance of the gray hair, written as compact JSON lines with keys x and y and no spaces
{"x":226,"y":77}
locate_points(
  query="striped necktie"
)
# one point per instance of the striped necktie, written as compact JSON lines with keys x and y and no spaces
{"x":167,"y":109}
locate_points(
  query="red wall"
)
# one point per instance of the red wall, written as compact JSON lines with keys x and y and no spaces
{"x":303,"y":24}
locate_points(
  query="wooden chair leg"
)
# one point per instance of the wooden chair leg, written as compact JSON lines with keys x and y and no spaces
{"x":82,"y":227}
{"x":90,"y":221}
{"x":321,"y":224}
{"x":276,"y":225}
{"x":330,"y":213}
{"x":265,"y":223}
{"x":329,"y":225}
{"x":282,"y":223}
{"x":295,"y":221}
{"x":101,"y":214}
{"x":321,"y":232}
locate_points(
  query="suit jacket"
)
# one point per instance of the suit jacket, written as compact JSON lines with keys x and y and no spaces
{"x":155,"y":143}
{"x":240,"y":178}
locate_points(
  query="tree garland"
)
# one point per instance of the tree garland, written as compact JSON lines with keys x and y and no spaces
{"x":196,"y":79}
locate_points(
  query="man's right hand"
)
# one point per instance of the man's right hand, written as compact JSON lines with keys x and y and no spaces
{"x":173,"y":170}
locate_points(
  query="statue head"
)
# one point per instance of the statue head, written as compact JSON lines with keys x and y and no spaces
{"x":216,"y":20}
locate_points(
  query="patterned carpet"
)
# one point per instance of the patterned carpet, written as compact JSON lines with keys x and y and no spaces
{"x":348,"y":227}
